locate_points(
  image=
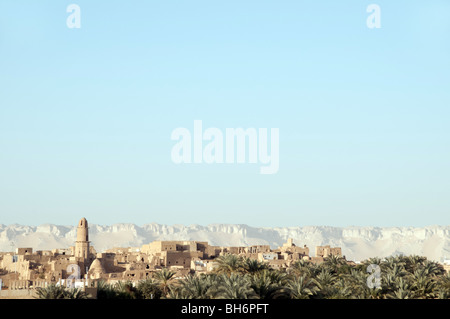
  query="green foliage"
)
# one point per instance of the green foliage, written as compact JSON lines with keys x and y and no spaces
{"x":164,"y":277}
{"x":302,"y":287}
{"x":119,"y":290}
{"x":57,"y":292}
{"x":252,"y":266}
{"x":402,"y":277}
{"x":233,"y":286}
{"x":229,"y":264}
{"x":106,"y":291}
{"x":149,"y":289}
{"x":269,"y":284}
{"x":194,"y":287}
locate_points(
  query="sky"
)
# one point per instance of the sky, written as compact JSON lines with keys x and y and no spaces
{"x":86,"y":114}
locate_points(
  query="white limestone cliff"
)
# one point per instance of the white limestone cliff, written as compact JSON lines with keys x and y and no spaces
{"x":357,"y":243}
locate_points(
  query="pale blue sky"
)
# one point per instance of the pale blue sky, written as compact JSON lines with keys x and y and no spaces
{"x":364,"y":114}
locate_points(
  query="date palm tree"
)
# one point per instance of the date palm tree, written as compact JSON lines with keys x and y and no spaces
{"x":196,"y":287}
{"x":174,"y":293}
{"x":442,"y":293}
{"x":278,"y":276}
{"x":392,"y":261}
{"x":334,"y":262}
{"x":388,"y":282}
{"x":301,"y":287}
{"x":58,"y":292}
{"x":251,"y":266}
{"x":105,"y":290}
{"x":423,"y":284}
{"x":50,"y":292}
{"x":340,"y":290}
{"x":373,"y":260}
{"x":413,"y":262}
{"x":303,"y":267}
{"x":125,"y":290}
{"x":269,"y":284}
{"x":164,"y":278}
{"x":234,"y":286}
{"x":111,"y":291}
{"x":228,"y":264}
{"x":324,"y":282}
{"x":356,"y":282}
{"x":75,"y":294}
{"x":402,"y":290}
{"x":325,"y":278}
{"x":391,"y":274}
{"x":400,"y":294}
{"x":300,"y":265}
{"x":239,"y":277}
{"x":398,"y":270}
{"x":149,"y":289}
{"x":443,"y":286}
{"x":433,"y":268}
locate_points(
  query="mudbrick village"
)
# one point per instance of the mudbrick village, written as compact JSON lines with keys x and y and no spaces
{"x":24,"y":271}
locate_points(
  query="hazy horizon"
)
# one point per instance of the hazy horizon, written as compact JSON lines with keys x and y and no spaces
{"x":243,"y":224}
{"x":356,"y":242}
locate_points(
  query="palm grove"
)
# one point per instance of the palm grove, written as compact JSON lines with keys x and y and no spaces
{"x":236,"y":277}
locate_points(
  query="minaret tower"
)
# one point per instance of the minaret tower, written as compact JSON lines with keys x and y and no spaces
{"x":82,"y":243}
